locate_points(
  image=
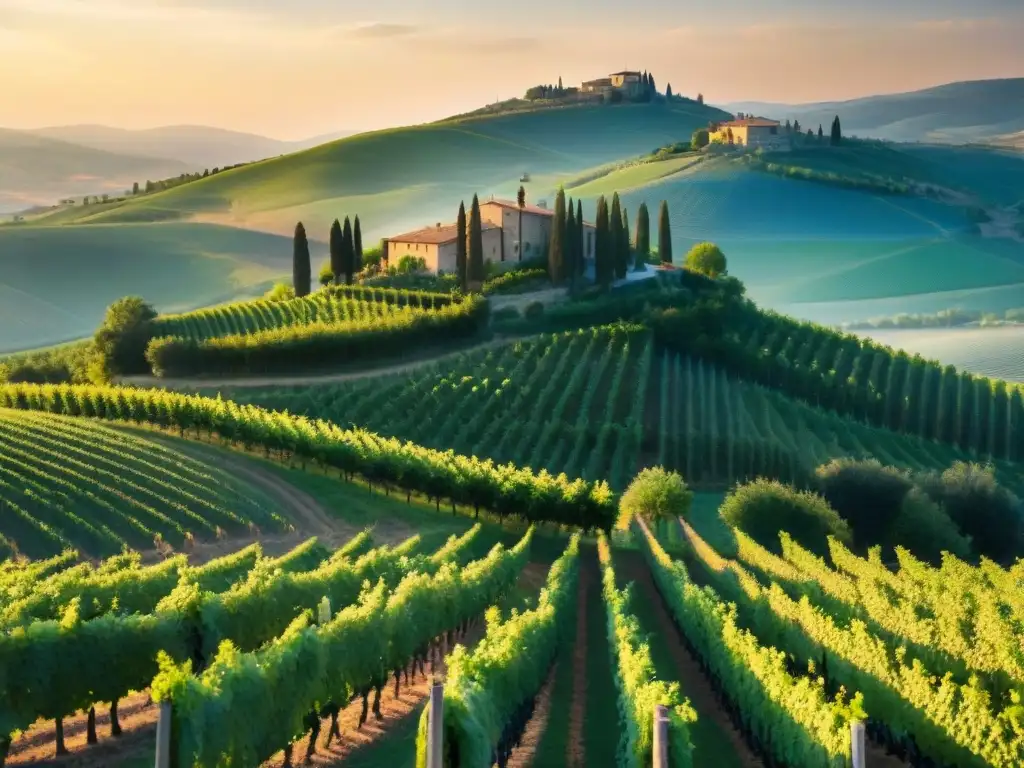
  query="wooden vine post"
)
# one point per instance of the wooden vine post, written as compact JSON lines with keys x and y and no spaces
{"x":435,"y":726}
{"x":163,"y":736}
{"x":857,"y":748}
{"x":660,"y":750}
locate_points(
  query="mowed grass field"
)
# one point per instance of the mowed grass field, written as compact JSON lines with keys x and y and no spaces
{"x":56,"y":282}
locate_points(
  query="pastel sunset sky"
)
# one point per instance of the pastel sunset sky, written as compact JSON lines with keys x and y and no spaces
{"x":306,"y":67}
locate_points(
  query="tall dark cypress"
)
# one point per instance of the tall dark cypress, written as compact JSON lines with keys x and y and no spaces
{"x":569,"y":268}
{"x":556,"y":242}
{"x":627,"y":244}
{"x":581,"y":235}
{"x":347,"y":251}
{"x":837,"y":132}
{"x":460,"y":246}
{"x":337,"y":262}
{"x":300,"y":262}
{"x":618,"y":257}
{"x":664,"y":235}
{"x":643,"y":236}
{"x":604,"y":257}
{"x":357,"y":235}
{"x":475,"y":270}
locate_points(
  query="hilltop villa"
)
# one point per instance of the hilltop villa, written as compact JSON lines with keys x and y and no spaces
{"x":628,"y":83}
{"x":751,"y":132}
{"x":502,"y":240}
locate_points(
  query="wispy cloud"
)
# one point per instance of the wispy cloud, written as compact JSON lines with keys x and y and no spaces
{"x":378,"y":30}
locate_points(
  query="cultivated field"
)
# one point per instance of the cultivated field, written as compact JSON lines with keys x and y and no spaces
{"x":994,"y":352}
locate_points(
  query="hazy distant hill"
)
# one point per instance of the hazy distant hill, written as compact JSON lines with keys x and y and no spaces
{"x":195,"y":145}
{"x":959,"y":112}
{"x":39,"y":170}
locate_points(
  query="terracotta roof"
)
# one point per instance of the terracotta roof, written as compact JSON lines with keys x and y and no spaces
{"x":437,"y":235}
{"x":627,"y":72}
{"x":534,"y":209}
{"x":751,"y":122}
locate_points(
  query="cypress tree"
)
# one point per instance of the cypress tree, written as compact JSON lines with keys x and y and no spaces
{"x":821,"y":133}
{"x":668,"y":92}
{"x":300,"y":262}
{"x":556,"y":243}
{"x":651,"y":86}
{"x":643,"y":236}
{"x":347,"y":251}
{"x":618,"y":256}
{"x":581,"y":245}
{"x":460,"y":246}
{"x":627,"y":243}
{"x":664,"y":235}
{"x":475,"y":268}
{"x":837,"y":132}
{"x":357,"y":251}
{"x":337,"y":265}
{"x":570,"y":270}
{"x":604,"y":258}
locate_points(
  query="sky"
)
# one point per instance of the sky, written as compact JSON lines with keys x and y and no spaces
{"x":308,"y":67}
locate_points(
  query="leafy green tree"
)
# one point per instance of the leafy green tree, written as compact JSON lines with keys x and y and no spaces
{"x":122,"y":337}
{"x":348,"y":252}
{"x":556,"y":241}
{"x":300,"y":262}
{"x":618,"y":238}
{"x":326,"y":276}
{"x":763,"y":508}
{"x":357,"y":245}
{"x":461,"y":262}
{"x":135,"y":188}
{"x":643,"y":236}
{"x":336,"y":250}
{"x":280,"y":292}
{"x":655,"y":495}
{"x":475,"y":268}
{"x":664,"y":235}
{"x":700,"y":139}
{"x":708,"y":259}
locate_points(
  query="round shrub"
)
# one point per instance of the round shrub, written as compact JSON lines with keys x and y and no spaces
{"x":655,"y":494}
{"x":866,"y":495}
{"x":707,"y":259}
{"x":764,"y":507}
{"x":923,"y":527}
{"x":990,"y":514}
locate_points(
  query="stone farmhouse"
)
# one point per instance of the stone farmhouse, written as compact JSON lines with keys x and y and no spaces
{"x":503,"y":242}
{"x":750,"y":132}
{"x":627,"y":82}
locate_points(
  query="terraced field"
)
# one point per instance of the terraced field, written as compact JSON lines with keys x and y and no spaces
{"x":599,"y":403}
{"x":75,"y":483}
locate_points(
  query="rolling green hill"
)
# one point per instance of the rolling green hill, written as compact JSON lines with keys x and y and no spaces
{"x":957,"y":112}
{"x":407,"y":176}
{"x":56,"y":282}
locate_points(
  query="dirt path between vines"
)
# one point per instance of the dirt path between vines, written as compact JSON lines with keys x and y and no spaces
{"x":529,"y":742}
{"x":576,"y":748}
{"x":693,"y":683}
{"x":309,"y":379}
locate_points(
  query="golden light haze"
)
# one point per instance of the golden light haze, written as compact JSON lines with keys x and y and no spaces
{"x":143,"y":63}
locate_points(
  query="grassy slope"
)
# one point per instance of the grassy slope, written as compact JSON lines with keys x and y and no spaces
{"x":73,"y":482}
{"x":394,"y":180}
{"x":56,"y":282}
{"x":835,"y":254}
